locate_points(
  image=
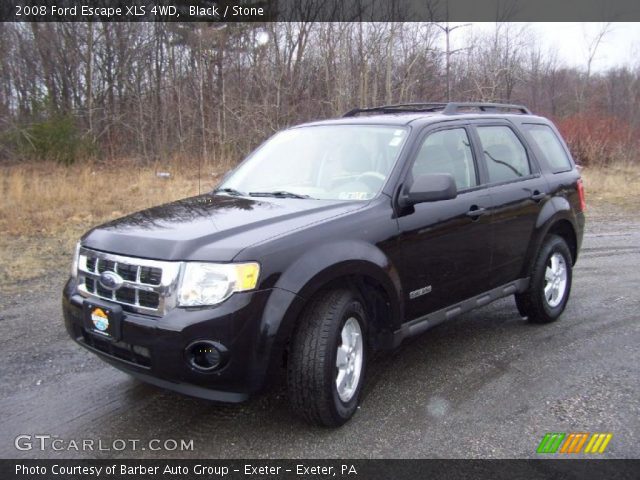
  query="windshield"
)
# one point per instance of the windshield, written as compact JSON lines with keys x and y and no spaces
{"x":332,"y":162}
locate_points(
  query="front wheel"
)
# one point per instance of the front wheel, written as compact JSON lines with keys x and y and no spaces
{"x":550,"y":283}
{"x":327,"y":359}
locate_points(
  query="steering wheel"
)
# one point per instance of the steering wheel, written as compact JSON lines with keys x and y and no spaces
{"x":373,"y":180}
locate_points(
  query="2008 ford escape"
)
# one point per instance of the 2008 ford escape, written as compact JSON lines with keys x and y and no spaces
{"x":333,"y":239}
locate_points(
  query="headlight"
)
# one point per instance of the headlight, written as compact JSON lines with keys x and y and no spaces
{"x":74,"y":264}
{"x":211,"y":283}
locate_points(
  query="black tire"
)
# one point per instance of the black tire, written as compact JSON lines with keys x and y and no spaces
{"x":533,"y":303}
{"x":311,"y":368}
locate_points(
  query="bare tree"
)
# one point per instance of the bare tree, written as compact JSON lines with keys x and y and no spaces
{"x":155,"y":91}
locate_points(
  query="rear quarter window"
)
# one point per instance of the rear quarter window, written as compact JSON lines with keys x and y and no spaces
{"x":549,"y":146}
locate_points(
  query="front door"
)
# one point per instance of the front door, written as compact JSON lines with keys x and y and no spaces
{"x":447,"y":244}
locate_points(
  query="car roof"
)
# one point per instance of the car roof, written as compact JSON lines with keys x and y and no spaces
{"x":420,"y":119}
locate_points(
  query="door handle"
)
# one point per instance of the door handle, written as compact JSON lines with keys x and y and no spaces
{"x":475,"y":212}
{"x":537,"y":196}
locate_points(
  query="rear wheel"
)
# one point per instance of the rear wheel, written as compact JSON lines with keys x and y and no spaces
{"x":327,"y":359}
{"x":550,"y":283}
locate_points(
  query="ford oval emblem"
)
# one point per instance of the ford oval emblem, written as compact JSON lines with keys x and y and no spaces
{"x":111,"y":280}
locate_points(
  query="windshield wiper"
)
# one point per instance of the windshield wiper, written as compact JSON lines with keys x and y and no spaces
{"x":230,"y":191}
{"x":278,"y":194}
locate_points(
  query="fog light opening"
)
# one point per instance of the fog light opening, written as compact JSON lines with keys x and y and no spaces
{"x":204,"y":355}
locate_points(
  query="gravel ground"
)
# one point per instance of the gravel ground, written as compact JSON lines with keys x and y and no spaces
{"x":487,"y":384}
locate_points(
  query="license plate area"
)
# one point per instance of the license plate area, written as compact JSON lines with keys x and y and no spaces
{"x":103,"y":319}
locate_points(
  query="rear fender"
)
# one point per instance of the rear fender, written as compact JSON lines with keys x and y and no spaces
{"x":554,"y":210}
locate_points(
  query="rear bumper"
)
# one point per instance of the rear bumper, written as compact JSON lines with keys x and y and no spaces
{"x":153,"y":349}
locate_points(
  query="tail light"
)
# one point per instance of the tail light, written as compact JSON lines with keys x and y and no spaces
{"x":583,"y":203}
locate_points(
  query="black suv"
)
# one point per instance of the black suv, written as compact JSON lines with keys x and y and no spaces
{"x":332,"y":240}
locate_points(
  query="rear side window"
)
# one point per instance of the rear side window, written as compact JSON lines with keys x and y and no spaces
{"x":549,"y":145}
{"x":447,"y":151}
{"x":504,"y":154}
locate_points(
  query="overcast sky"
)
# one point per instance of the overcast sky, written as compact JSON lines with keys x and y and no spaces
{"x":621,"y":45}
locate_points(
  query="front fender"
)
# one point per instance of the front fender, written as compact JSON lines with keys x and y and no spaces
{"x":317,"y":268}
{"x":324,"y":257}
{"x":313,"y":271}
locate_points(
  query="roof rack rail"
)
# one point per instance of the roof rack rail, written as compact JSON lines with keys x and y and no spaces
{"x":453,"y":107}
{"x":399,"y":108}
{"x":450,"y":108}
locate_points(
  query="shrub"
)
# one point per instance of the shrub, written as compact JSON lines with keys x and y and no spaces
{"x":597,"y":140}
{"x":56,"y":138}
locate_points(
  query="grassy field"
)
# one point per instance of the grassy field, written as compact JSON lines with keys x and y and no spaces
{"x":619,"y":185}
{"x":46,"y":207}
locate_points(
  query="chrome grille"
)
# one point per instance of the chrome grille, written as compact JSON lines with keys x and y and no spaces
{"x":149,"y":286}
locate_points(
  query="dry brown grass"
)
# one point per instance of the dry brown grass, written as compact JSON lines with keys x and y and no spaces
{"x":616,"y":184}
{"x":46,"y":207}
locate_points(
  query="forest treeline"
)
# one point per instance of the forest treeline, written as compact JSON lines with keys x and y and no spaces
{"x":154,"y":91}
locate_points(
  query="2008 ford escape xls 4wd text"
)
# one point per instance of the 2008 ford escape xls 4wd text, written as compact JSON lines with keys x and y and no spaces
{"x":332,"y":240}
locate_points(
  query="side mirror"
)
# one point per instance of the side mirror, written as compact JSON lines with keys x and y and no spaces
{"x":430,"y":188}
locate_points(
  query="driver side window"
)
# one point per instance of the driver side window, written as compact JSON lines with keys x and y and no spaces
{"x":447,"y":151}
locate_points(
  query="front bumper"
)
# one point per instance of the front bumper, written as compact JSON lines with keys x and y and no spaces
{"x":153,"y":349}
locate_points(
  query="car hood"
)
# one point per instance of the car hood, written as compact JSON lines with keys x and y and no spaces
{"x":209,"y":227}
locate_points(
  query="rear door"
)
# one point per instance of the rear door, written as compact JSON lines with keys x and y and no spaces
{"x":446,"y":245}
{"x":517,"y":189}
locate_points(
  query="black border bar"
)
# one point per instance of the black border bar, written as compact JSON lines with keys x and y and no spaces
{"x":319,"y":10}
{"x":320,"y":469}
